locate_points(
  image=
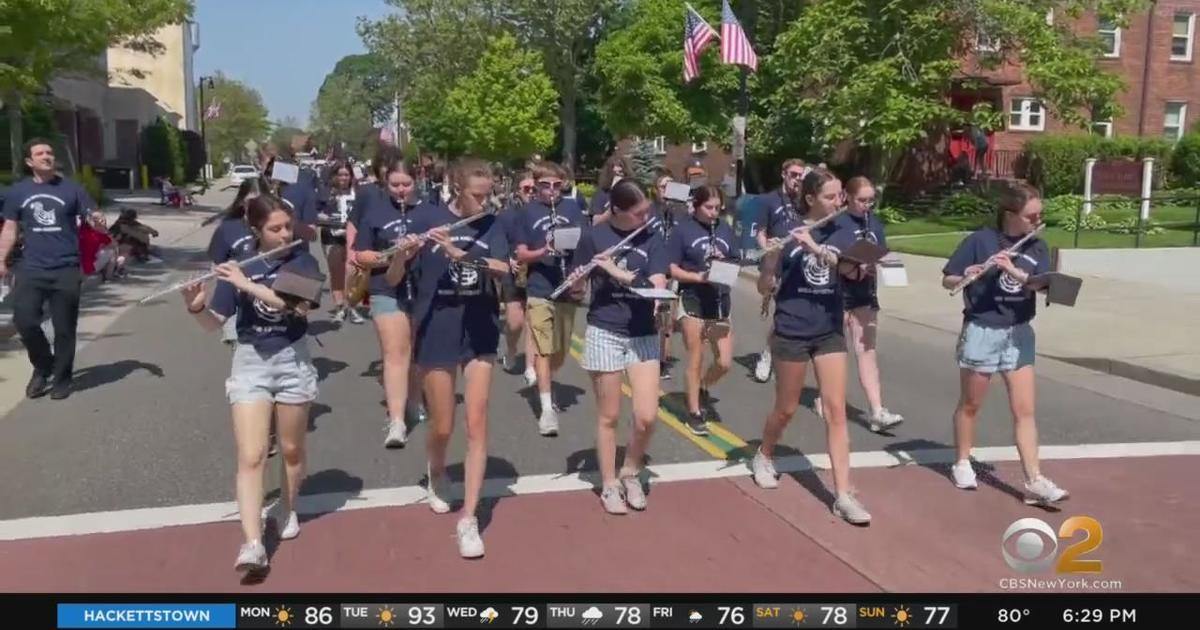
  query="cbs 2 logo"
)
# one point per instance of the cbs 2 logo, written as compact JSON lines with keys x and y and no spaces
{"x":1035,"y":548}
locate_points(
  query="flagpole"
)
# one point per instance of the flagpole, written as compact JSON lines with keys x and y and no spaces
{"x":740,"y":147}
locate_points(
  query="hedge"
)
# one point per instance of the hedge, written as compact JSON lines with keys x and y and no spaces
{"x":163,"y":151}
{"x":1185,"y":161}
{"x":1056,"y":162}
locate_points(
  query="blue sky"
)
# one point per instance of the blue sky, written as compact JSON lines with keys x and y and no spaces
{"x":282,"y":48}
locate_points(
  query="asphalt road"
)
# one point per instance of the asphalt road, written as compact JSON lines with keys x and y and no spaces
{"x":149,"y":426}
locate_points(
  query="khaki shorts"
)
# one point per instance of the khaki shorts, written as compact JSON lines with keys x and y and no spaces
{"x":551,"y":323}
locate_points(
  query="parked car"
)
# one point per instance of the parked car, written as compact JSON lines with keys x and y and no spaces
{"x":241,"y":173}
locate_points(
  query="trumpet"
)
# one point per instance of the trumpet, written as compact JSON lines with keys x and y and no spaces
{"x":213,"y":274}
{"x":991,"y":262}
{"x":776,"y":244}
{"x":583,"y":270}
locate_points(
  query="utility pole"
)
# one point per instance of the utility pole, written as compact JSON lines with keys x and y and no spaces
{"x":207,"y":170}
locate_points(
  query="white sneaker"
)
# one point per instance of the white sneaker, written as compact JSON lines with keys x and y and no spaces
{"x":762,"y":369}
{"x":397,"y":434}
{"x":505,"y":364}
{"x":251,"y":557}
{"x":291,"y":524}
{"x":548,"y":422}
{"x":818,"y":408}
{"x":884,"y":420}
{"x":530,"y":377}
{"x":470,"y":545}
{"x":964,"y":475}
{"x":356,"y":317}
{"x":338,"y":316}
{"x":849,"y":509}
{"x":437,"y":492}
{"x":1042,"y":491}
{"x":635,"y":495}
{"x":765,"y":474}
{"x":611,"y":499}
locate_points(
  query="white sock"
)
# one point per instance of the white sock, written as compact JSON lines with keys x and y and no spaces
{"x":547,"y":402}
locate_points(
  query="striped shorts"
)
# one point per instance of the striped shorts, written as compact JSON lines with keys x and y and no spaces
{"x":607,"y":351}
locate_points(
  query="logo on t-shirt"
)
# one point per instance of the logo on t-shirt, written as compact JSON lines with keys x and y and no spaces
{"x":818,"y":272}
{"x":42,"y":215}
{"x":1009,"y":284}
{"x":465,"y":277}
{"x":267,"y":313}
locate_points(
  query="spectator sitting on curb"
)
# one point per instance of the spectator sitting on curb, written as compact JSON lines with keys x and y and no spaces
{"x":132,"y":236}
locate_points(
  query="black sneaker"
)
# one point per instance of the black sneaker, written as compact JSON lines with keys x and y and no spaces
{"x":705,"y":399}
{"x":664,"y":373}
{"x":37,"y":387}
{"x":60,"y":390}
{"x":696,"y":424}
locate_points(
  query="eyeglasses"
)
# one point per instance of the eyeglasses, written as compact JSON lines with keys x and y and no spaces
{"x":794,"y":174}
{"x":550,"y":185}
{"x":527,"y":189}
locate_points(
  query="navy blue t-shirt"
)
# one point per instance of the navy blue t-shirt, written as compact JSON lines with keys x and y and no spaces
{"x":49,"y":215}
{"x":546,"y":273}
{"x":867,"y":227}
{"x":997,"y":300}
{"x":776,"y":214}
{"x":690,"y":246}
{"x":365,"y":197}
{"x":378,"y":230}
{"x":301,"y":197}
{"x":232,"y":240}
{"x":808,"y":302}
{"x":614,"y":307}
{"x":268,"y":329}
{"x":511,"y":220}
{"x":459,"y":290}
{"x":599,"y":200}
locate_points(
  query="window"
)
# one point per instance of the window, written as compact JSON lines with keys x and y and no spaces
{"x":699,"y":147}
{"x":1174,"y":121}
{"x":1110,"y":38}
{"x":984,"y":42}
{"x":1181,"y":36}
{"x":660,"y":145}
{"x":1026,"y":114}
{"x":1050,"y":17}
{"x":1102,"y":128}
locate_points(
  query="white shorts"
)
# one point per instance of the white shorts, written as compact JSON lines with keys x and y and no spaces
{"x":607,"y":351}
{"x":288,"y":376}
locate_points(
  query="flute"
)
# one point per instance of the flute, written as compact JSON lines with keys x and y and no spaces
{"x":387,"y":254}
{"x":776,"y":244}
{"x":583,"y":270}
{"x":991,"y":262}
{"x":212,"y":274}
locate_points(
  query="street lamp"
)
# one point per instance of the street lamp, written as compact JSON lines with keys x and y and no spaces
{"x":203,"y":131}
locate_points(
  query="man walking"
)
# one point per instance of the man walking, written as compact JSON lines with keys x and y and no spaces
{"x":48,"y":208}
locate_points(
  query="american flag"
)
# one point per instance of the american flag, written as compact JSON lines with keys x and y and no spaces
{"x":213,"y":111}
{"x":697,"y":34}
{"x":735,"y":46}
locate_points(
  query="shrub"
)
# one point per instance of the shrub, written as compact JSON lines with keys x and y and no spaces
{"x":891,"y":215}
{"x":586,"y":190}
{"x":1057,"y":210}
{"x":1130,"y":226}
{"x":163,"y":151}
{"x":91,"y":183}
{"x":1091,"y":221}
{"x":1185,"y":161}
{"x":964,"y":204}
{"x":1056,"y":162}
{"x":1116,"y":204}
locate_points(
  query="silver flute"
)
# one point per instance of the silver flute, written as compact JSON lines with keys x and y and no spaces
{"x":424,"y":236}
{"x":991,"y":262}
{"x":583,"y":270}
{"x":213,"y":274}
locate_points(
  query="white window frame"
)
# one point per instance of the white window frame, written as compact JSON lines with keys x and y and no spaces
{"x":660,"y":145}
{"x":1191,"y":36}
{"x":1050,"y":16}
{"x":1026,"y":114}
{"x":700,"y":147}
{"x":1116,"y":48}
{"x":984,"y":42}
{"x":1107,"y":125}
{"x":1182,"y":128}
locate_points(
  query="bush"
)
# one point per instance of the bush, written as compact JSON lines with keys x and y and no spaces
{"x":1056,"y":210}
{"x":586,"y":190}
{"x":1056,"y":162}
{"x":1185,"y":161}
{"x":964,"y":204}
{"x":1091,"y":221}
{"x":891,"y":215}
{"x":91,"y":183}
{"x":163,"y":152}
{"x":1116,"y":203}
{"x":1130,"y":226}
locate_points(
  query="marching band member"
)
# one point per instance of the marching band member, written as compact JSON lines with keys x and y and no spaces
{"x":996,"y":335}
{"x":615,"y":169}
{"x":551,"y":320}
{"x":776,"y":212}
{"x":621,"y":339}
{"x":391,"y":303}
{"x":233,"y":240}
{"x":513,"y":293}
{"x":272,"y":373}
{"x":693,"y":244}
{"x":809,"y":328}
{"x":458,"y":327}
{"x":370,"y":192}
{"x":336,"y":211}
{"x":664,"y":217}
{"x":861,"y":292}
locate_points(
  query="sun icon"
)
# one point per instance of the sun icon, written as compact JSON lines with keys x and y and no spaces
{"x":798,"y":616}
{"x":386,"y":616}
{"x":283,"y":616}
{"x":902,"y":616}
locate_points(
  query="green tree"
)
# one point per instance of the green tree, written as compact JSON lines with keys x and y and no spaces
{"x":644,"y":160}
{"x":49,"y":38}
{"x":341,"y":115}
{"x":639,"y":70}
{"x":242,"y":118}
{"x":284,"y":131}
{"x":376,"y":84}
{"x":501,"y":109}
{"x":884,"y":68}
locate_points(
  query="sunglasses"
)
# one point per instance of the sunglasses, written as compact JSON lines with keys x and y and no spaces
{"x":795,"y":174}
{"x":527,"y":189}
{"x":550,"y":185}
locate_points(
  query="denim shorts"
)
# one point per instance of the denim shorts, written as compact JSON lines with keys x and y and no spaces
{"x":288,"y":376}
{"x":988,"y":350}
{"x":383,"y":304}
{"x":607,"y":351}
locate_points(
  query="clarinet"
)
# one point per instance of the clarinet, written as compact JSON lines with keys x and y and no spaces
{"x":408,"y":285}
{"x":562,"y":260}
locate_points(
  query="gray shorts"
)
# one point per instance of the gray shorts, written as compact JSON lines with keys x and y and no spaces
{"x":229,"y":330}
{"x":606,"y":351}
{"x":989,"y":350}
{"x":288,"y":376}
